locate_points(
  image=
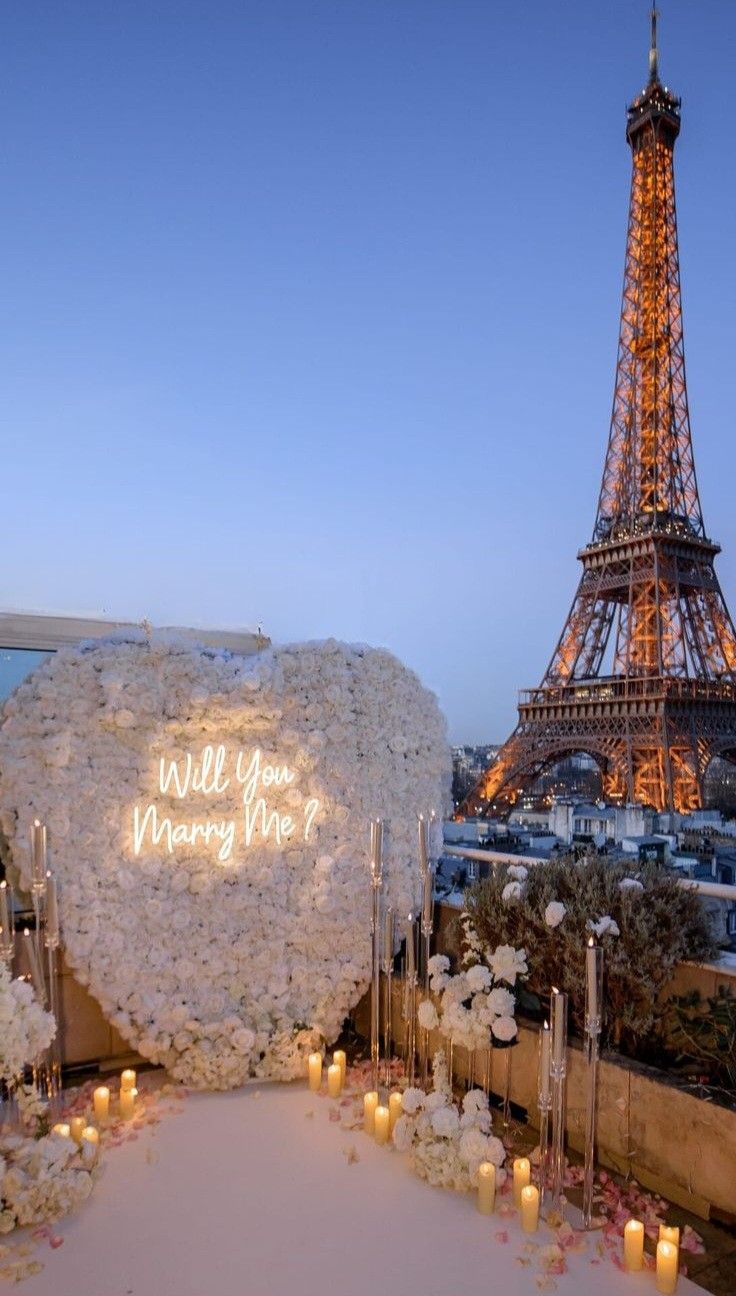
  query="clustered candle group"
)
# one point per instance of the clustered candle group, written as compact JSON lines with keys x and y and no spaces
{"x":525,"y":1193}
{"x":80,"y":1130}
{"x":667,"y":1255}
{"x":40,"y":948}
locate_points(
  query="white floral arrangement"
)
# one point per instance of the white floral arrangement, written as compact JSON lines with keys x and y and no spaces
{"x":217,"y":957}
{"x":447,"y":1143}
{"x":26,"y":1029}
{"x":33,"y":1110}
{"x":43,"y":1179}
{"x":475,"y":1008}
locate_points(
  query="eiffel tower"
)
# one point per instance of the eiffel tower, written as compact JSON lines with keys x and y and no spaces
{"x":643,"y":677}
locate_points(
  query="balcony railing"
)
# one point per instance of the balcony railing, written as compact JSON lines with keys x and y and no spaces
{"x":613,"y":689}
{"x":719,"y":890}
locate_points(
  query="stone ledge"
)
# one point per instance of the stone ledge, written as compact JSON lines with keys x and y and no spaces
{"x":671,"y":1141}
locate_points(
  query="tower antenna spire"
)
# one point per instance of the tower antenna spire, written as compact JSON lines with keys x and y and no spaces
{"x":653,"y":51}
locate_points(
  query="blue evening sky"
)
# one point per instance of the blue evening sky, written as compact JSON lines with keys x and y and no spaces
{"x":309,"y":312}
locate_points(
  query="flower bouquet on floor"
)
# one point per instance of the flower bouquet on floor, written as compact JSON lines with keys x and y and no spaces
{"x":26,"y":1030}
{"x":447,"y":1141}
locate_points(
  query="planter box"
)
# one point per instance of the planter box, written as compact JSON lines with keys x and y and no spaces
{"x":671,"y":1141}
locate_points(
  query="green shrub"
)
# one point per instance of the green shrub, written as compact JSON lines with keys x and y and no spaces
{"x":701,"y":1034}
{"x":659,"y":927}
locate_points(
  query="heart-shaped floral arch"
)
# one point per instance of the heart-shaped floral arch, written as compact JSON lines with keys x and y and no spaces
{"x":208,"y":820}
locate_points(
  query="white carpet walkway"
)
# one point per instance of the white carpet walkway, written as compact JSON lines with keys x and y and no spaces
{"x":243,"y":1194}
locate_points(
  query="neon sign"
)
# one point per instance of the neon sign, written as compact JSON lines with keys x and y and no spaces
{"x":255,"y":781}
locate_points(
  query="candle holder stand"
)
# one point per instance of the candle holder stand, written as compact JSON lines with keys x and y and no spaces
{"x":426,"y":924}
{"x":53,"y":1059}
{"x":410,"y":1003}
{"x":426,"y":930}
{"x":545,"y":1106}
{"x":376,"y":879}
{"x":558,"y":1075}
{"x":7,"y":924}
{"x":47,"y":1069}
{"x":593,"y":1002}
{"x":387,"y":965}
{"x":487,"y":1053}
{"x":507,"y":1054}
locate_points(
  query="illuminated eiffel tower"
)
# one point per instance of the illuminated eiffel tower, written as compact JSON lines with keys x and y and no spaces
{"x":644,"y":675}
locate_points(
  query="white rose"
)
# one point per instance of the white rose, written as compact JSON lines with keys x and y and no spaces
{"x":605,"y":926}
{"x":478,"y":978}
{"x":475,"y":1100}
{"x":554,"y":913}
{"x":501,"y":1002}
{"x":472,"y":1146}
{"x":445,"y":1122}
{"x":403,"y":1134}
{"x":427,"y":1015}
{"x":412,"y":1100}
{"x":504,"y":1029}
{"x":508,"y":963}
{"x":496,"y":1153}
{"x":438,"y":965}
{"x":512,"y":891}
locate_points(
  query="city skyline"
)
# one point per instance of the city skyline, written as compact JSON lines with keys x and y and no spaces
{"x":372,"y":264}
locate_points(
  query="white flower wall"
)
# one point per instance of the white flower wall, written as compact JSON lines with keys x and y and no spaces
{"x":219,"y":951}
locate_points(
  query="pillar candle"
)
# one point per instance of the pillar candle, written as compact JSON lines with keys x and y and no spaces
{"x":522,"y":1175}
{"x":411,"y":964}
{"x":667,"y":1254}
{"x":339,"y":1059}
{"x":486,"y":1187}
{"x":591,"y":980}
{"x":334,"y":1080}
{"x":530,"y":1208}
{"x":545,"y":1054}
{"x":388,"y":939}
{"x":395,"y":1107}
{"x":76,"y":1125}
{"x":127,"y":1103}
{"x":315,"y":1072}
{"x":669,"y":1233}
{"x":381,"y":1124}
{"x":423,"y":843}
{"x":127,"y":1079}
{"x":558,"y":1006}
{"x":90,"y":1134}
{"x":52,"y":912}
{"x":376,"y":847}
{"x":90,"y":1143}
{"x":38,"y":853}
{"x":34,"y":965}
{"x":633,"y":1245}
{"x":427,"y":899}
{"x":61,"y":1128}
{"x":101,"y":1102}
{"x":6,"y":912}
{"x":370,"y":1102}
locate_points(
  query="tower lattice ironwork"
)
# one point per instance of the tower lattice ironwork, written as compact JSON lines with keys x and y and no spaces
{"x":643,"y":677}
